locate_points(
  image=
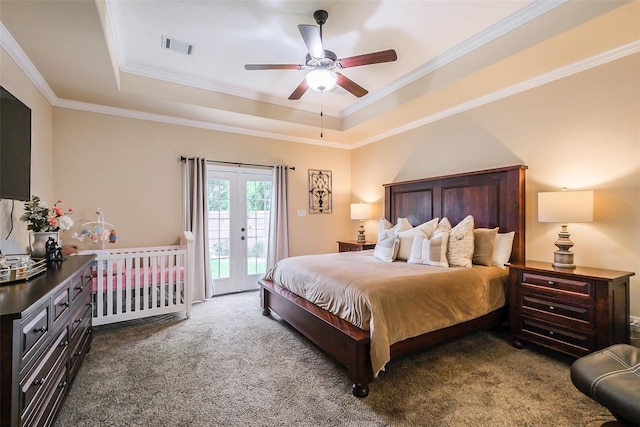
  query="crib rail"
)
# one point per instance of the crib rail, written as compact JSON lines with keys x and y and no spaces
{"x":133,"y":283}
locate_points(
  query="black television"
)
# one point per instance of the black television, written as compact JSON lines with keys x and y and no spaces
{"x":15,"y":148}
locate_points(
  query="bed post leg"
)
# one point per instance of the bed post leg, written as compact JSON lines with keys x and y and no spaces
{"x":359,"y":390}
{"x":263,"y":301}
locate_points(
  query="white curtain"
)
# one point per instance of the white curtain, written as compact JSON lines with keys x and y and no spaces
{"x":278,"y":246}
{"x":196,"y":216}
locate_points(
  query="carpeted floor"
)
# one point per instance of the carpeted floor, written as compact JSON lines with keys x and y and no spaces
{"x":230,"y":366}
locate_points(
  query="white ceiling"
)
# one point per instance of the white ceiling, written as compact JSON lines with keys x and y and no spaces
{"x":108,"y":56}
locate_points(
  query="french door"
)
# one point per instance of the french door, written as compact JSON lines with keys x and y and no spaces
{"x":239,"y":202}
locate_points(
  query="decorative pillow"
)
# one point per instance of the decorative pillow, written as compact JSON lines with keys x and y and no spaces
{"x":386,"y":229}
{"x":460,"y":250}
{"x":430,"y":251}
{"x":444,"y":225}
{"x":384,"y":226}
{"x":407,"y":237}
{"x":502,"y":249}
{"x":387,"y":248}
{"x":484,"y":240}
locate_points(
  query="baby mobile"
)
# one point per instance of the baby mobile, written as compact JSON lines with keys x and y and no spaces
{"x":97,"y":231}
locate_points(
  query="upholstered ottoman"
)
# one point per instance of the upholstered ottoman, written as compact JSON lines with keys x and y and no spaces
{"x":611,"y":377}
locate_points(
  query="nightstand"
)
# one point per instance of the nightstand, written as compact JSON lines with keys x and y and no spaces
{"x":575,"y":311}
{"x":353,"y":245}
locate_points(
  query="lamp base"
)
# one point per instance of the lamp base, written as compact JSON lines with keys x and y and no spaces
{"x":361,"y":238}
{"x":563,"y":259}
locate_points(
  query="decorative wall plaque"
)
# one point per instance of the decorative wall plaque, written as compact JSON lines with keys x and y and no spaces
{"x":319,"y":191}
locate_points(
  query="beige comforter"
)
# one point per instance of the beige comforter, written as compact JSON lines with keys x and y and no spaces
{"x":393,"y":301}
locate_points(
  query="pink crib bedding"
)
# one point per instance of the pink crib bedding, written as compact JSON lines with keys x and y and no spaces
{"x":138,"y":275}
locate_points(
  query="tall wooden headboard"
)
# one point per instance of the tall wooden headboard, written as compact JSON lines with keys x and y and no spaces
{"x":495,"y":198}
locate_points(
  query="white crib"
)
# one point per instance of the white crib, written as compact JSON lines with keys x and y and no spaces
{"x":140,"y":282}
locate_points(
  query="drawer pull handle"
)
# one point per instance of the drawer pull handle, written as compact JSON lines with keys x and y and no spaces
{"x":64,"y":343}
{"x":551,"y":282}
{"x":39,"y":382}
{"x":40,"y":329}
{"x":551,"y":307}
{"x":90,"y":304}
{"x":63,"y":384}
{"x":79,"y":288}
{"x":79,"y":320}
{"x":550,"y":332}
{"x":77,"y":353}
{"x":64,"y":304}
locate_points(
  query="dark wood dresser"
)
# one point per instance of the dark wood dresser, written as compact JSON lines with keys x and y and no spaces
{"x":575,"y":311}
{"x":45,"y":332}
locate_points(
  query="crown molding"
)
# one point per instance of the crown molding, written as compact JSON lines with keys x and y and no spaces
{"x":501,"y":28}
{"x":8,"y":43}
{"x":16,"y":53}
{"x":161,"y":118}
{"x":551,"y":76}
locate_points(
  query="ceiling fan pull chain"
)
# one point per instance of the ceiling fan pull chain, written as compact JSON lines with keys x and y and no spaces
{"x":321,"y":115}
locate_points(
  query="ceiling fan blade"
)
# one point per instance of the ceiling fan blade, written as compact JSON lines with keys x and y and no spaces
{"x":299,"y":91}
{"x":351,"y":86}
{"x":273,"y":67}
{"x":311,"y":37}
{"x":369,"y":58}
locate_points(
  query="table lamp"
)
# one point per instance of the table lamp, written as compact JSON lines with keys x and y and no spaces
{"x":565,"y":207}
{"x":361,"y":211}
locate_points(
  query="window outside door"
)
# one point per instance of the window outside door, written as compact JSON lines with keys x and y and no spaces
{"x":239,"y":203}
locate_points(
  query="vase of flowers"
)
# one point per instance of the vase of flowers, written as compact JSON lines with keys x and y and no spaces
{"x":45,"y":222}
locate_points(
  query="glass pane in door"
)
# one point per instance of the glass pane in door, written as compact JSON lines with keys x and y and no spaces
{"x":219,"y":227}
{"x":258,"y":205}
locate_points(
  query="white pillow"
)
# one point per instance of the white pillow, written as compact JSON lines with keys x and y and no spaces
{"x":387,"y":248}
{"x":502,"y":249}
{"x":430,"y":251}
{"x":406,"y":237}
{"x":460,"y":251}
{"x":386,"y":229}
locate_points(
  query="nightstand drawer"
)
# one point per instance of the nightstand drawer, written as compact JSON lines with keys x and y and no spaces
{"x":558,"y":284}
{"x":573,"y":342}
{"x":537,"y":306}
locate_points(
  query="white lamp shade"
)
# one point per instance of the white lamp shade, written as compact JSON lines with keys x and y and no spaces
{"x":360,"y":211}
{"x":321,"y":79}
{"x":565,"y":206}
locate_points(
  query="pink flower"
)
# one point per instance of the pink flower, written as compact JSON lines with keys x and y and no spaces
{"x":53,"y":222}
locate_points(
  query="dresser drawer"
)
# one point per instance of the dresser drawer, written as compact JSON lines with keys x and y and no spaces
{"x":34,"y":331}
{"x":571,"y":341}
{"x":534,"y":305}
{"x":80,"y":285}
{"x":80,"y":321}
{"x":60,"y":306}
{"x":38,"y":380}
{"x":560,"y":285}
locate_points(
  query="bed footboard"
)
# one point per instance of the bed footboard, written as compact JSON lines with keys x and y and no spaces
{"x":345,"y":342}
{"x":141,"y":282}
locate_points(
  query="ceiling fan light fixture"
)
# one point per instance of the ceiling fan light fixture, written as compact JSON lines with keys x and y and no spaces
{"x":321,"y":80}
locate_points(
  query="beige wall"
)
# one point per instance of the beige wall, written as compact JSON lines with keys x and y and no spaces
{"x":131,"y":169}
{"x":581,"y":132}
{"x":16,"y":82}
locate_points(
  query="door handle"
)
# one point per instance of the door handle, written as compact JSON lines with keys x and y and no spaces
{"x":242,"y":238}
{"x":242,"y":229}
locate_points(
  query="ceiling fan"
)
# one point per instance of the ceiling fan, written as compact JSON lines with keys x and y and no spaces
{"x":323,"y":64}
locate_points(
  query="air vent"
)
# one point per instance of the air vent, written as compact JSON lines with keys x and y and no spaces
{"x":177,"y":45}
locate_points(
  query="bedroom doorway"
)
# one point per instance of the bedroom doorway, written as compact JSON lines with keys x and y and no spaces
{"x":239,"y":203}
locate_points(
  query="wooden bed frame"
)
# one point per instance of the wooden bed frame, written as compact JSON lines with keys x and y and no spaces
{"x":495,"y":198}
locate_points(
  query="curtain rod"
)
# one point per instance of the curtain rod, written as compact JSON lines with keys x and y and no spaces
{"x":183,"y":158}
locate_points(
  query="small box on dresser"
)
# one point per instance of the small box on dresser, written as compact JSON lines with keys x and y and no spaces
{"x":575,"y":311}
{"x":45,"y":331}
